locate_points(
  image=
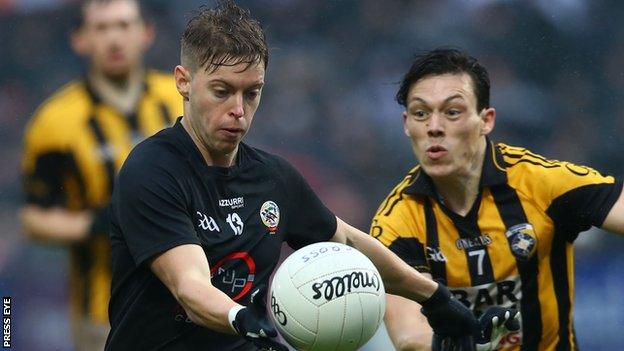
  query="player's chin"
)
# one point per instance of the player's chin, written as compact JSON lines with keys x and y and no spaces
{"x":227,"y":146}
{"x":437,"y":170}
{"x":117,"y":71}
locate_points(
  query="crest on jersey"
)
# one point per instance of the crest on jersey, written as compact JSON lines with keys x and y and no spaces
{"x":270,"y":215}
{"x":522,"y":240}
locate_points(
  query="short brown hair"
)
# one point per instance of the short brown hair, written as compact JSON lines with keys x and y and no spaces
{"x":226,"y":35}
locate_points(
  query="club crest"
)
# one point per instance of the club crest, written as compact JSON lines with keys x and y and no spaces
{"x":522,"y":240}
{"x":270,"y":215}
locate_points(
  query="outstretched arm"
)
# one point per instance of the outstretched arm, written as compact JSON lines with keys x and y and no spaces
{"x":398,"y":277}
{"x":445,"y":314}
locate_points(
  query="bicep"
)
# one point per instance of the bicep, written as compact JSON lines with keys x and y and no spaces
{"x":614,"y":222}
{"x":180,"y":264}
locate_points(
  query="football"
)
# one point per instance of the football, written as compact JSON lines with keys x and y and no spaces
{"x":327,"y":296}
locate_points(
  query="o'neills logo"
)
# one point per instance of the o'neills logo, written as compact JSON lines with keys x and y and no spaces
{"x":338,"y":286}
{"x":235,"y":202}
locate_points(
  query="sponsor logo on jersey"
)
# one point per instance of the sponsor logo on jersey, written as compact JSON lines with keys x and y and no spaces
{"x":435,"y":254}
{"x":506,"y":293}
{"x":235,"y":202}
{"x":468,"y":243}
{"x":234,"y":274}
{"x":207,"y":223}
{"x":270,"y":215}
{"x":522,"y":240}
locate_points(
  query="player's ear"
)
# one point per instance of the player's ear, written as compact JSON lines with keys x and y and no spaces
{"x":78,"y":42}
{"x":405,"y":130}
{"x":488,"y":120}
{"x":183,"y":81}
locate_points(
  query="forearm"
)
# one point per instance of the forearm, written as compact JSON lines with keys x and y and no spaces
{"x":398,"y":277}
{"x":55,"y":224}
{"x":205,"y":305}
{"x":407,"y":327}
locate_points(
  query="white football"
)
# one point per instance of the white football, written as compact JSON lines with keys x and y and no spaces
{"x":327,"y":296}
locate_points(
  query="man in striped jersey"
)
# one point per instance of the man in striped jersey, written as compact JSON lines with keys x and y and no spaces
{"x":494,"y":222}
{"x":78,"y":139}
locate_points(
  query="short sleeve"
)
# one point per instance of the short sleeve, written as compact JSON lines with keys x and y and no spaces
{"x":50,"y":173}
{"x":148,"y":207}
{"x":584,"y":206}
{"x":395,"y":225}
{"x":309,"y":220}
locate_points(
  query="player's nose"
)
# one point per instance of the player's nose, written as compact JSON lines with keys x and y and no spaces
{"x":435,"y":125}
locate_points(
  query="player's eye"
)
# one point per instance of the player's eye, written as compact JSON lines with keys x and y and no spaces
{"x":453,"y":113}
{"x":100,"y":27}
{"x":220,"y":93}
{"x":252,"y":94}
{"x":124,"y":25}
{"x":419,"y":114}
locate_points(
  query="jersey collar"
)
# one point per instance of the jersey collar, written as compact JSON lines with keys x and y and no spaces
{"x":494,"y":173}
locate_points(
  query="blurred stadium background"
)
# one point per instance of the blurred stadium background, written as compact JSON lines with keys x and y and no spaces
{"x":557,"y":70}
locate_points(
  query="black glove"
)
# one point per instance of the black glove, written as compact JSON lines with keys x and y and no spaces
{"x":449,"y":343}
{"x":447,"y":316}
{"x":252,"y":323}
{"x":496,"y":323}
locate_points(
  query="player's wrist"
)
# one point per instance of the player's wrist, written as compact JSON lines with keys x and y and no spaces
{"x":232,"y":315}
{"x":440,"y":296}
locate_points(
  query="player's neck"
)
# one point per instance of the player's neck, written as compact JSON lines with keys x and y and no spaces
{"x":211,"y":158}
{"x":122,"y":93}
{"x":459,"y":191}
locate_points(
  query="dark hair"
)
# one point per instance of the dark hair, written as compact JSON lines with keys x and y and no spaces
{"x":78,"y":15}
{"x":226,"y":35}
{"x":447,"y":60}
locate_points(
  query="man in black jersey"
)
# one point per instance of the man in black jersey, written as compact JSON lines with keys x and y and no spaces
{"x":198,"y":218}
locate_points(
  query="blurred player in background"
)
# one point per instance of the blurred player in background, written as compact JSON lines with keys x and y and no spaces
{"x":79,"y":138}
{"x":494,"y":222}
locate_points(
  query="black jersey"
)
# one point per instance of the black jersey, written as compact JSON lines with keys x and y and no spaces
{"x":167,"y":196}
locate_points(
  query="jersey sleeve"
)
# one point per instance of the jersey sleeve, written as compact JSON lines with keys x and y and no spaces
{"x":149,"y":207}
{"x":309,"y":220}
{"x":395,"y":227}
{"x":50,"y":173}
{"x":580,"y":197}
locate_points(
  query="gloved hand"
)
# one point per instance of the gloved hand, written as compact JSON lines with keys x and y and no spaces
{"x":252,"y":323}
{"x":496,"y":323}
{"x":449,"y":343}
{"x":447,"y":316}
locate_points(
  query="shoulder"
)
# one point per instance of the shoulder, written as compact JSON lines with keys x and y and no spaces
{"x":397,"y":200}
{"x":156,"y":154}
{"x":60,"y":114}
{"x":161,"y":83}
{"x":273,"y":161}
{"x":540,"y":175}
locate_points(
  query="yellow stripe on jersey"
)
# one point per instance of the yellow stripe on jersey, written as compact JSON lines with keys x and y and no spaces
{"x":514,"y":247}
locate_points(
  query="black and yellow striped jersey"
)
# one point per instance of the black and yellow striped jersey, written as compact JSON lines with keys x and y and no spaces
{"x":73,"y":146}
{"x":513,"y":248}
